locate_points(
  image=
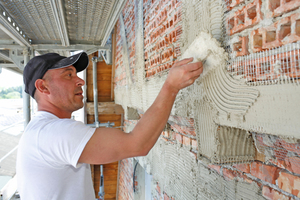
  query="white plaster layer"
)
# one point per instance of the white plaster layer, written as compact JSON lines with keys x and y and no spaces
{"x":201,"y":16}
{"x":275,"y":111}
{"x":216,"y":94}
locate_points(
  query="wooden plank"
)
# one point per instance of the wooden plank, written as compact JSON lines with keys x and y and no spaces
{"x":103,"y":82}
{"x":113,"y":165}
{"x":106,"y":72}
{"x":100,"y":84}
{"x":101,"y":77}
{"x":104,"y":108}
{"x":104,"y":99}
{"x":117,"y":123}
{"x":110,"y":195}
{"x":107,"y":117}
{"x":106,"y":178}
{"x":109,"y":188}
{"x":103,"y":85}
{"x":111,"y":181}
{"x":110,"y":173}
{"x":100,"y":70}
{"x":103,"y":96}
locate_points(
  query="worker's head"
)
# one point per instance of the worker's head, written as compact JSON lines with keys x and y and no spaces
{"x":37,"y":67}
{"x":55,"y":77}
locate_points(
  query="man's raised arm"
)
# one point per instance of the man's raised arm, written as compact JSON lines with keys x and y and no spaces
{"x":109,"y":144}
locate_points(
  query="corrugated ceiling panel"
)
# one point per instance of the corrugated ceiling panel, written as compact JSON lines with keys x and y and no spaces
{"x":35,"y":18}
{"x":86,"y":19}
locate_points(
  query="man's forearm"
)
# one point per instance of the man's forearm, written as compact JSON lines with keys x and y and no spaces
{"x":150,"y":126}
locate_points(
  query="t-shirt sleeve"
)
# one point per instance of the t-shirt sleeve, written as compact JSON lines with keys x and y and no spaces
{"x":61,"y":142}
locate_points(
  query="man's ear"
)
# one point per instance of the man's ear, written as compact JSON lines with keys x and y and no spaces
{"x":41,"y":86}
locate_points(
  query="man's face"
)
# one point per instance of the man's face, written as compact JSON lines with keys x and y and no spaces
{"x":65,"y":88}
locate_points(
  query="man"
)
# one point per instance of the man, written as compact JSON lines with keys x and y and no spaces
{"x":55,"y":151}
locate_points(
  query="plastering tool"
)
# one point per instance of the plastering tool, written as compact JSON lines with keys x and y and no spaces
{"x":205,"y":58}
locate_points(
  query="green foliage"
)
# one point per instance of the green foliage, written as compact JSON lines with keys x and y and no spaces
{"x":11,"y":93}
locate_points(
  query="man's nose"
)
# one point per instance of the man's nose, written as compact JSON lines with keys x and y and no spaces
{"x":80,"y":81}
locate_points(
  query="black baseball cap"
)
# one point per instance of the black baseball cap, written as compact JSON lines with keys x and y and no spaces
{"x":39,"y":65}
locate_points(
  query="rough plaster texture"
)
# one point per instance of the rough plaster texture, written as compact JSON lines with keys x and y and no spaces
{"x":182,"y":177}
{"x":225,"y":108}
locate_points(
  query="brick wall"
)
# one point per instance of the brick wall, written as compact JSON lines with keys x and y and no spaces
{"x":276,"y":170}
{"x":261,"y":26}
{"x":162,"y":31}
{"x":125,"y":190}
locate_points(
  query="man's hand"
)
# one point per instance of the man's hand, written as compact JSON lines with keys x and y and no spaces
{"x":183,"y":74}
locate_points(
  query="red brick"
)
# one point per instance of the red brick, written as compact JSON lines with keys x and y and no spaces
{"x":172,"y":135}
{"x":166,"y":134}
{"x":293,"y":164}
{"x":215,"y":167}
{"x":264,"y":172}
{"x":278,"y":7}
{"x":186,"y":141}
{"x":187,"y":130}
{"x":244,"y":167}
{"x":230,"y":174}
{"x":194,"y":144}
{"x":289,"y":183}
{"x":179,"y":138}
{"x":166,"y":197}
{"x":158,"y":188}
{"x":246,"y":17}
{"x":194,"y":154}
{"x":279,"y":151}
{"x":292,"y":147}
{"x":235,"y":3}
{"x":282,"y":32}
{"x":279,"y":163}
{"x":241,"y":47}
{"x":270,"y":194}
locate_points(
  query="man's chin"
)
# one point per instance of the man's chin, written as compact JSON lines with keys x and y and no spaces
{"x":79,"y":106}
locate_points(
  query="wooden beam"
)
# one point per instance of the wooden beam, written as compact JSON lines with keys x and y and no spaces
{"x":104,"y":108}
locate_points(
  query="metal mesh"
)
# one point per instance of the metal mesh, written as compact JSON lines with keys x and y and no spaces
{"x":263,"y":66}
{"x":278,"y":65}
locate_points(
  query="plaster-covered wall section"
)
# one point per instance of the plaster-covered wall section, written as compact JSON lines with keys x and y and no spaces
{"x":243,"y":108}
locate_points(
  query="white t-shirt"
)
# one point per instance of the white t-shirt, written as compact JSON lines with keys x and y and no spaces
{"x":47,"y":161}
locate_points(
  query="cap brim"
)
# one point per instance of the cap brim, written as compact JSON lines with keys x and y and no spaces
{"x":79,"y":61}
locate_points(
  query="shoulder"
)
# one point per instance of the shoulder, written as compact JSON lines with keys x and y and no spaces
{"x":46,"y":122}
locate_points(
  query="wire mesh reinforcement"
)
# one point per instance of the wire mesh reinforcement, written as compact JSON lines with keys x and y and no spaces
{"x":277,"y":65}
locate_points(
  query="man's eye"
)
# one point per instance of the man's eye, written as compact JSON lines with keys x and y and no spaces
{"x":69,"y":74}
